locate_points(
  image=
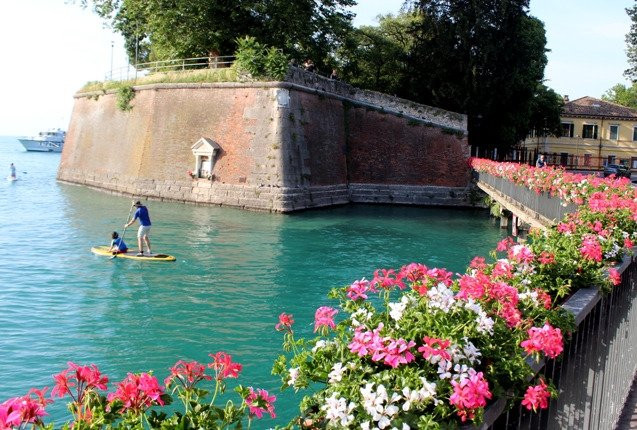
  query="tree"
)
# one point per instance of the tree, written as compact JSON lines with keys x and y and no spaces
{"x":545,"y":111}
{"x":631,"y":44}
{"x":485,"y":59}
{"x":623,"y":95}
{"x":168,"y":29}
{"x":375,"y":57}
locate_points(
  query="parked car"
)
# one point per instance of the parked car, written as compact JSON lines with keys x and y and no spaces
{"x":618,"y":170}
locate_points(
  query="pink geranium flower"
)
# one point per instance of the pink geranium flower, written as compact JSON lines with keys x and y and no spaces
{"x":386,"y":279}
{"x":224,"y":366}
{"x":435,"y":349}
{"x":521,"y":254}
{"x":470,"y":394}
{"x":537,"y":396}
{"x":546,"y":339}
{"x":478,"y":263}
{"x":474,"y":287}
{"x":137,"y":393}
{"x":324,"y":317}
{"x":259,"y":402}
{"x":187,"y":373}
{"x":614,"y":276}
{"x":413,"y":272}
{"x":591,"y":249}
{"x":83,"y":378}
{"x":358,"y":289}
{"x":505,"y":244}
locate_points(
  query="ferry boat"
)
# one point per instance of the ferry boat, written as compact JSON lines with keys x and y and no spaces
{"x":46,"y":141}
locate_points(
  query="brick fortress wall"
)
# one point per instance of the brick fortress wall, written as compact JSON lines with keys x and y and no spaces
{"x":306,"y":142}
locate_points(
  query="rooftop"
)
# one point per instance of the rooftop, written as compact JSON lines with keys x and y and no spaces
{"x":591,"y":107}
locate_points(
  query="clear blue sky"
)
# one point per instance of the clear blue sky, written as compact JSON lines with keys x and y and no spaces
{"x":50,"y":48}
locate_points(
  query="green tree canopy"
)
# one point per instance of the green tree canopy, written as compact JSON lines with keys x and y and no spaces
{"x":622,"y":95}
{"x":376,"y":57}
{"x":545,"y":110}
{"x":631,"y":44}
{"x":167,"y":29}
{"x":485,"y":59}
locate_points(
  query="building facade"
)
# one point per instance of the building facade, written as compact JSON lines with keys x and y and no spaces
{"x":594,"y":133}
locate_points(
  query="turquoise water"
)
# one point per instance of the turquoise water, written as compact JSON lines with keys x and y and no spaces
{"x":235,"y":272}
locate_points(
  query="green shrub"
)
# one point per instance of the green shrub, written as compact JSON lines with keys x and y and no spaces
{"x":125,"y":94}
{"x":259,"y":60}
{"x":276,"y":64}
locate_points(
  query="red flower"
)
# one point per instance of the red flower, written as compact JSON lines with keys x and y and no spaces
{"x":83,"y":378}
{"x":591,"y":249}
{"x":470,"y":394}
{"x":187,"y":373}
{"x":285,"y":322}
{"x":546,"y":339}
{"x":223,"y":366}
{"x":536,"y":397}
{"x":546,"y":258}
{"x":386,"y":279}
{"x":435,"y":349}
{"x":504,"y":244}
{"x":137,"y":393}
{"x":614,"y":276}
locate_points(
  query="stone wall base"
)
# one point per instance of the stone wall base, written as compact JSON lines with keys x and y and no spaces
{"x":268,"y":198}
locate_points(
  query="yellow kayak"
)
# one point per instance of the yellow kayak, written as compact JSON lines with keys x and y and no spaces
{"x":132,"y":255}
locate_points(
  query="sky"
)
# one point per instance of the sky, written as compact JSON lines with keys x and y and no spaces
{"x":51,"y":48}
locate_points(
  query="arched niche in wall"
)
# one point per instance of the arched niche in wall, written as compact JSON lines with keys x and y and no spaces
{"x":205,"y":150}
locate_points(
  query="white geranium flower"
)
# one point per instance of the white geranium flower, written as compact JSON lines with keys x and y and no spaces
{"x":441,"y":297}
{"x":444,"y":367}
{"x":397,"y":310}
{"x":336,"y":375}
{"x":294,"y":374}
{"x":320,"y":344}
{"x":337,"y":411}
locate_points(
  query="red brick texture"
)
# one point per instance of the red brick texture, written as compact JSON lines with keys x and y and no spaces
{"x":274,"y":155}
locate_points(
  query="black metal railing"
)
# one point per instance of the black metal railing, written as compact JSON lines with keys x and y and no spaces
{"x":595,"y":373}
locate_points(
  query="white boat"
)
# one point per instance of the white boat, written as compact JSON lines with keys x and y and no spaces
{"x":46,"y":141}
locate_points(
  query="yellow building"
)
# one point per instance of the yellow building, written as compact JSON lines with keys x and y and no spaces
{"x":594,"y":133}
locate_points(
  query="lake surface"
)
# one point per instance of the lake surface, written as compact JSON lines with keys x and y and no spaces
{"x":236,"y":271}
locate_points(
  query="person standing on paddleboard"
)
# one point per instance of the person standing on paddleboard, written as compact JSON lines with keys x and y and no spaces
{"x":142,"y":215}
{"x":12,"y":167}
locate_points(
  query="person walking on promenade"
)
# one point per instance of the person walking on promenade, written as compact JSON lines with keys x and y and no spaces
{"x":540,"y":161}
{"x":143,"y":216}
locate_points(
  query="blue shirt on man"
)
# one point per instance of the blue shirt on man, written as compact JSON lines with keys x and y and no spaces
{"x":142,"y":214}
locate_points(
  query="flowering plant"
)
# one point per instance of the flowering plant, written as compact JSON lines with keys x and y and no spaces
{"x":129,"y":406}
{"x":419,"y":347}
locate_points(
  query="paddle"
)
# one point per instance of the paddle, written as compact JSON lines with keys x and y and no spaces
{"x":125,"y":226}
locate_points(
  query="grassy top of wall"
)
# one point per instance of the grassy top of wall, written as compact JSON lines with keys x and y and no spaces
{"x":180,"y":76}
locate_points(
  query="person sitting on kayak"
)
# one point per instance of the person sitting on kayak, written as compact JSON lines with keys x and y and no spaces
{"x":144,"y":227}
{"x":117,"y":244}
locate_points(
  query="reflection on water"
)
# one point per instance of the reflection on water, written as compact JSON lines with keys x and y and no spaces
{"x":235,"y":272}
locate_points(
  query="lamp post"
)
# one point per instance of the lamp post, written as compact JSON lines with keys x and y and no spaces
{"x":112,"y":46}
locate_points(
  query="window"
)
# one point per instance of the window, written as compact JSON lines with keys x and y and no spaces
{"x":611,"y":159}
{"x":587,"y":159}
{"x":589,"y":131}
{"x":634,"y":133}
{"x":567,"y":129}
{"x":613,"y":131}
{"x":633,"y":162}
